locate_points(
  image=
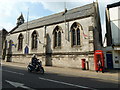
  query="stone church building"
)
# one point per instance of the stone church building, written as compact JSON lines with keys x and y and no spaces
{"x":61,"y":39}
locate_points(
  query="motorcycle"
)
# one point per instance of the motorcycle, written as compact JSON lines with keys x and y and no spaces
{"x":38,"y":68}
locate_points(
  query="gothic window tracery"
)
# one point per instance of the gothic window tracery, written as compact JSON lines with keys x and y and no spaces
{"x":57,"y":36}
{"x":34,"y":40}
{"x":20,"y":42}
{"x":75,"y":34}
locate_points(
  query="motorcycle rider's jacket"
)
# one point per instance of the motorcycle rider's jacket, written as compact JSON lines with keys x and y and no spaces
{"x":34,"y":61}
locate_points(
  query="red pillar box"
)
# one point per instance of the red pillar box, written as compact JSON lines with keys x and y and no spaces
{"x":83,"y":64}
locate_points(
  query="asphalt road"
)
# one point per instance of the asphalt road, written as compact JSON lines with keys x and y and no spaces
{"x":14,"y":77}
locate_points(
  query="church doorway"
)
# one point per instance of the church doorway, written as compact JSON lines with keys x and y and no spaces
{"x":26,"y":50}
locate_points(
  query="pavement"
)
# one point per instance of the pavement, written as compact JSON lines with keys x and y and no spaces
{"x":112,"y":75}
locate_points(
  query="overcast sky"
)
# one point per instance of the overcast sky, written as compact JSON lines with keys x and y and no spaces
{"x":10,"y":10}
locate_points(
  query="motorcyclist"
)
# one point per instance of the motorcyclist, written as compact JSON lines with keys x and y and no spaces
{"x":35,"y":65}
{"x":34,"y":60}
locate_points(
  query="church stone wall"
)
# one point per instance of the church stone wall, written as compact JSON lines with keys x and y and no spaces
{"x":58,"y":58}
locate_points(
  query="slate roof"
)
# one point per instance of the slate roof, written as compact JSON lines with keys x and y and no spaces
{"x":72,"y":14}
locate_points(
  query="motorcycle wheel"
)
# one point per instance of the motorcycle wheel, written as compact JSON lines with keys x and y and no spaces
{"x":42,"y":70}
{"x":29,"y":70}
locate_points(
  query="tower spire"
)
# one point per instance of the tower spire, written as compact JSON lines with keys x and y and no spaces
{"x":20,"y":20}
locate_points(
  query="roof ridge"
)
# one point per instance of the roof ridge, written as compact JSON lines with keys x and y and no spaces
{"x":59,"y":13}
{"x":58,"y":17}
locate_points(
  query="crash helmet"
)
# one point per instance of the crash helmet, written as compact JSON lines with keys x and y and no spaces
{"x":34,"y":55}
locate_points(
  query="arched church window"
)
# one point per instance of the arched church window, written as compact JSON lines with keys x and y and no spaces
{"x":78,"y":36}
{"x":20,"y":42}
{"x":73,"y":37}
{"x":75,"y":34}
{"x":34,"y":40}
{"x":57,"y":36}
{"x":55,"y":39}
